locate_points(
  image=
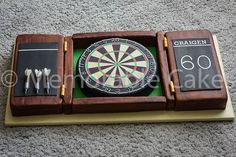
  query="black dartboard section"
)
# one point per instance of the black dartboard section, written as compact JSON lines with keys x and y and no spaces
{"x":116,"y":67}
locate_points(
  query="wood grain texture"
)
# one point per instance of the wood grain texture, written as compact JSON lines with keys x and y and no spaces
{"x":195,"y":100}
{"x":118,"y":104}
{"x":68,"y":76}
{"x":84,"y":40}
{"x":164,"y":69}
{"x":32,"y":105}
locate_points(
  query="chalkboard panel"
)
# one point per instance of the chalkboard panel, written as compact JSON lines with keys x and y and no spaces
{"x":195,"y":64}
{"x":36,"y":56}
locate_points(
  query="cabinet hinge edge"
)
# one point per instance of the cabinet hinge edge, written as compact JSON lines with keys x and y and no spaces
{"x":165,"y":42}
{"x":65,"y":46}
{"x":172,"y":87}
{"x":63,"y":88}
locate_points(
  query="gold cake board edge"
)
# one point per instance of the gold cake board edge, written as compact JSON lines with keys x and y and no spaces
{"x":128,"y":117}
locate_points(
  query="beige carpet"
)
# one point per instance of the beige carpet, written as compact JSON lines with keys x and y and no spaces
{"x":166,"y":139}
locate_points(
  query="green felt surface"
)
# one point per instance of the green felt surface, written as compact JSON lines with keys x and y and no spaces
{"x":77,"y":93}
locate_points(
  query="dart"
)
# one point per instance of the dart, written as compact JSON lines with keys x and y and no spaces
{"x":46,"y":73}
{"x":27,"y":74}
{"x":38,"y":74}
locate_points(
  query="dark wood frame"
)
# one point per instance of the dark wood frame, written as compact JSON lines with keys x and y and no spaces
{"x":119,"y":104}
{"x":165,"y":71}
{"x":192,"y":100}
{"x":68,"y":75}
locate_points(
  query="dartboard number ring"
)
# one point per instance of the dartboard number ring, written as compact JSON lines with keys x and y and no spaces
{"x":117,"y":66}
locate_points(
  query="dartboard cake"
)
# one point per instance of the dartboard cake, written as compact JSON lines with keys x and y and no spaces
{"x":116,"y":67}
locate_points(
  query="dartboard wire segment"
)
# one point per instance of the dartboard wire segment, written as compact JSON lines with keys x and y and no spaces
{"x":117,"y":66}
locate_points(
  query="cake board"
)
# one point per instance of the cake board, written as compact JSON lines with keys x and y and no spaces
{"x":128,"y":117}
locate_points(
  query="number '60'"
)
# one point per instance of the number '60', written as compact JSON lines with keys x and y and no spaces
{"x":187,"y":64}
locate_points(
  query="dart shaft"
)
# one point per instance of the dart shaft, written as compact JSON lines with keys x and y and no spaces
{"x":27,"y":84}
{"x":37,"y":85}
{"x":48,"y":87}
{"x":46,"y":73}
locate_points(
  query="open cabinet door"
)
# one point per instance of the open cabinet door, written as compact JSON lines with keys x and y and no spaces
{"x":195,"y":70}
{"x":37,"y":51}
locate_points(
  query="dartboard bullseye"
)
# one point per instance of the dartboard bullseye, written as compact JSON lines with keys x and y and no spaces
{"x":116,"y":67}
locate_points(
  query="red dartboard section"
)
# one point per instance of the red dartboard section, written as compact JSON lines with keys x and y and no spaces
{"x":115,"y":67}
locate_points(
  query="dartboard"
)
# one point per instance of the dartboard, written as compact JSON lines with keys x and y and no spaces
{"x":116,"y":66}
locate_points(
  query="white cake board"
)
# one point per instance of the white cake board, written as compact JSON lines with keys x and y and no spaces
{"x":129,"y":117}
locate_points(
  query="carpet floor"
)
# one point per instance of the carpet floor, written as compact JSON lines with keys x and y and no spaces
{"x":165,"y":139}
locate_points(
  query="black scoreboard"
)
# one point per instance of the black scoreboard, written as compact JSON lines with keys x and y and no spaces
{"x":195,"y":64}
